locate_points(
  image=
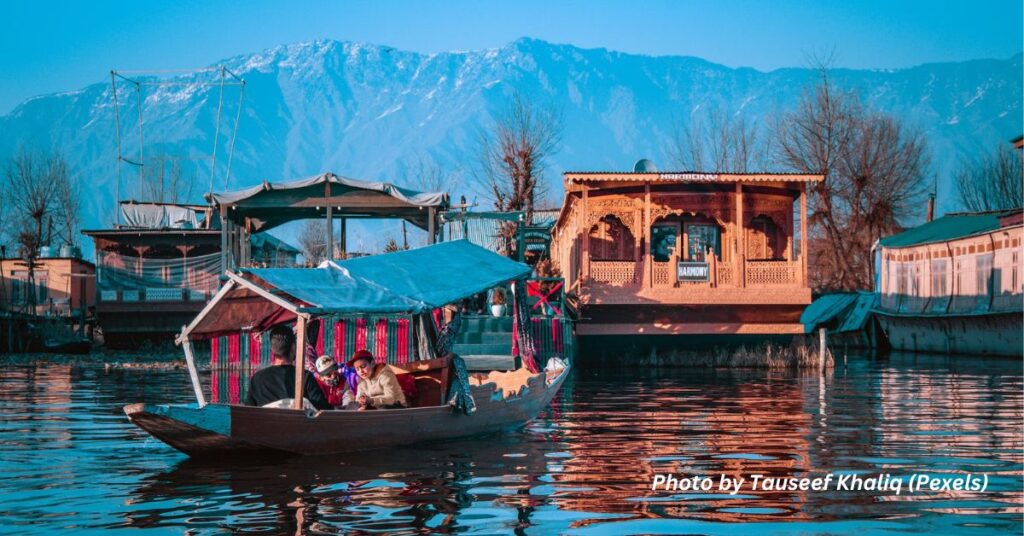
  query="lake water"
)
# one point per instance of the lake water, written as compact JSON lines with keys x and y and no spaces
{"x":71,"y":461}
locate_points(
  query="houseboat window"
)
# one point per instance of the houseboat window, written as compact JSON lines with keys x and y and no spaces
{"x":663,"y":241}
{"x":699,"y":239}
{"x":902,"y":279}
{"x":983,"y":273}
{"x":611,"y":240}
{"x":939,"y":278}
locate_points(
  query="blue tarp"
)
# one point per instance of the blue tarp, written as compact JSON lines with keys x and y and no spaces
{"x":824,"y":309}
{"x":332,"y":288}
{"x":850,"y":310}
{"x":857,"y":317}
{"x":402,"y":282}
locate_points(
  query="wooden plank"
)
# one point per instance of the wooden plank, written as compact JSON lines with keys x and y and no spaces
{"x":489,"y":362}
{"x":193,"y":373}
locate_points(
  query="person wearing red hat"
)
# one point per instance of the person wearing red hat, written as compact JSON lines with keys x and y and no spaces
{"x":378,"y":385}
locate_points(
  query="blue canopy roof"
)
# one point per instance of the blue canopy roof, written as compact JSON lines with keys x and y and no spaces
{"x":402,"y":282}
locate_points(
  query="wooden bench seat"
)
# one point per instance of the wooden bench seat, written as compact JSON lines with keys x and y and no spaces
{"x":431,"y":377}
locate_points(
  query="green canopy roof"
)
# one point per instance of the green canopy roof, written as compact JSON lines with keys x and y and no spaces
{"x":948,"y":227}
{"x":402,"y":282}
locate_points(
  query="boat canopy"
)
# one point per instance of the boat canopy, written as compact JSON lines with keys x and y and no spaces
{"x":404,"y":282}
{"x":267,"y":205}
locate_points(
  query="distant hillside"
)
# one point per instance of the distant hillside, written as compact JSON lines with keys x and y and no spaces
{"x":374,"y":112}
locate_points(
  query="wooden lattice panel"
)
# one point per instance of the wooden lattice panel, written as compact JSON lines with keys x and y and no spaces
{"x":725,"y":276}
{"x":771,"y":273}
{"x":662,"y":273}
{"x":615,"y":272}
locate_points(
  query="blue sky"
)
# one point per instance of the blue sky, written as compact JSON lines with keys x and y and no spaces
{"x":48,"y":47}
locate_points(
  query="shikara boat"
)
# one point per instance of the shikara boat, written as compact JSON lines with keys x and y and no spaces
{"x":449,"y":402}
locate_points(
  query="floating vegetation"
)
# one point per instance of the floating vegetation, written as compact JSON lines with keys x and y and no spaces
{"x":800,"y":354}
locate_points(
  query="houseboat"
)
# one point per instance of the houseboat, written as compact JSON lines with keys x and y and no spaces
{"x":953,"y":285}
{"x":707,"y":255}
{"x":157,"y":269}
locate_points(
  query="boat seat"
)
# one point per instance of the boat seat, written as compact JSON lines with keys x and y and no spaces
{"x":431,"y":381}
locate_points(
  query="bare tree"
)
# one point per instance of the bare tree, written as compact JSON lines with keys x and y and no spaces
{"x":718,"y":141}
{"x":392,"y":245}
{"x":313,"y":241}
{"x":513,"y":154}
{"x":34,"y":183}
{"x":873,"y":168}
{"x":165,"y":181}
{"x":426,"y":175}
{"x":994,"y":182}
{"x":69,"y":203}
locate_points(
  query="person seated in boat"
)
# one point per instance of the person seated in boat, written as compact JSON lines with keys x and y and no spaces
{"x":277,"y":381}
{"x":378,"y":385}
{"x":335,"y":387}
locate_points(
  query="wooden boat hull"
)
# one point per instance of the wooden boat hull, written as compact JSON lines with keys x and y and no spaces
{"x":218,"y":429}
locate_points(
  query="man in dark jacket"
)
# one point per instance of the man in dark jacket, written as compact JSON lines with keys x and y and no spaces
{"x":278,"y":380}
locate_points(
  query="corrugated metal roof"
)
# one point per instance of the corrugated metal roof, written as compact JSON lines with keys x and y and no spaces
{"x":948,"y":227}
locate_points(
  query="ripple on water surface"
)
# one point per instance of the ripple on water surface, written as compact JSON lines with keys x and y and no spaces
{"x":72,"y":461}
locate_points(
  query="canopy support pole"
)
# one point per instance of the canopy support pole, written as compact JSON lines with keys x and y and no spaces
{"x":342,"y":239}
{"x":431,"y":226}
{"x":330,"y":221}
{"x":192,"y":371}
{"x":300,"y":359}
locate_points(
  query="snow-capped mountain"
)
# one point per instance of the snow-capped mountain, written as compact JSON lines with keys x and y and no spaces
{"x":378,"y":113}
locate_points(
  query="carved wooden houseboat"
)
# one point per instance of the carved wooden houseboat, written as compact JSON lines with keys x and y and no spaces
{"x":703,"y":254}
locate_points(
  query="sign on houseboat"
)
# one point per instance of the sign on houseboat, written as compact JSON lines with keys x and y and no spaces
{"x":692,"y":271}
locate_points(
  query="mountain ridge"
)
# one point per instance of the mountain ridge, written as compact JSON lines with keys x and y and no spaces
{"x":376,"y":112}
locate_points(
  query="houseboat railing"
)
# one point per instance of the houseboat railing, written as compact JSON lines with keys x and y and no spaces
{"x":155,"y":295}
{"x":721,"y":274}
{"x":615,"y":272}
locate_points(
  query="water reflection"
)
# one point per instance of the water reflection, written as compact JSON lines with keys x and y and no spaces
{"x":586,"y":465}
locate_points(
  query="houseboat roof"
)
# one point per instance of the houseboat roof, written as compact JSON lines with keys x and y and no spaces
{"x":404,"y":282}
{"x":689,"y":177}
{"x":270,"y":204}
{"x":952,"y":227}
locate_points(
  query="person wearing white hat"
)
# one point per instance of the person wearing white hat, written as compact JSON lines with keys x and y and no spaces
{"x":334,"y":387}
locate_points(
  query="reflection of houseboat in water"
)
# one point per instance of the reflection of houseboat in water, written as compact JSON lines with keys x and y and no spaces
{"x":954,"y":285}
{"x":699,"y":254}
{"x":157,"y":269}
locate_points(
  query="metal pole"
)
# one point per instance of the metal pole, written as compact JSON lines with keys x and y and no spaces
{"x":216,"y":130}
{"x":117,"y":128}
{"x":142,"y":153}
{"x":234,"y":132}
